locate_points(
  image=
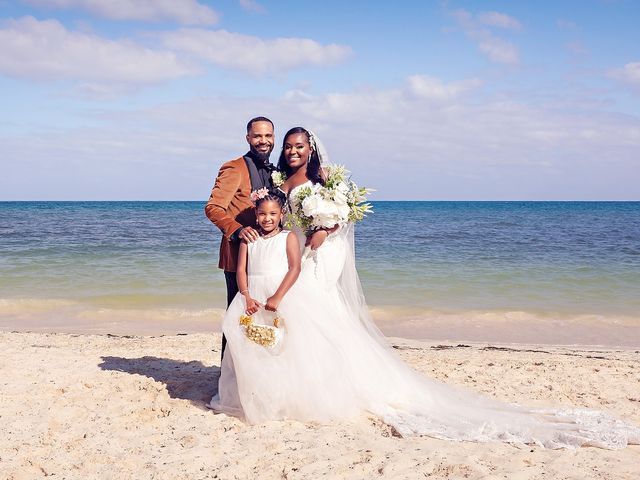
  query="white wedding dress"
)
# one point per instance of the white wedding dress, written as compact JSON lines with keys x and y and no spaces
{"x":334,"y":363}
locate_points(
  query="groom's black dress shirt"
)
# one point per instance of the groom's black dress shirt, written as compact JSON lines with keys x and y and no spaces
{"x":259,"y":171}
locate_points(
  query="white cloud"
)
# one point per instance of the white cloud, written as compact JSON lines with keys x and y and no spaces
{"x":498,"y":50}
{"x":497,"y":19}
{"x":429,"y":87}
{"x":253,"y":54}
{"x":46,"y":50}
{"x":495,"y":48}
{"x":252,"y":6}
{"x":186,"y":12}
{"x":629,"y":74}
{"x":403,"y":144}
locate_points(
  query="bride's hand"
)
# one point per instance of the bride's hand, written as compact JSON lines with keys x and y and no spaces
{"x":316,"y":239}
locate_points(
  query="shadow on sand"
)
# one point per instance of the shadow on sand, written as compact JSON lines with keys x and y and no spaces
{"x":191,"y":381}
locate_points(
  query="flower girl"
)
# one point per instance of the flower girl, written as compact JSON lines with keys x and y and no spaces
{"x":269,"y":211}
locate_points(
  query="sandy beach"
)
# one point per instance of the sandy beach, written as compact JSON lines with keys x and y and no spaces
{"x":133,"y":407}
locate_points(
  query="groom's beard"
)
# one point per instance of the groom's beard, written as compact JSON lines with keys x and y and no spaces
{"x":260,"y":157}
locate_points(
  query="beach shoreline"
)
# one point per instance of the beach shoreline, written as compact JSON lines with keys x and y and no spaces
{"x":127,"y":406}
{"x":500,"y":327}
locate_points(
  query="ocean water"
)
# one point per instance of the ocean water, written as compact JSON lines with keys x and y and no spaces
{"x":102,"y":262}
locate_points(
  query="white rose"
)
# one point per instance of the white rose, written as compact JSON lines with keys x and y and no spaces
{"x":310,"y":205}
{"x":325,"y":213}
{"x":340,"y":198}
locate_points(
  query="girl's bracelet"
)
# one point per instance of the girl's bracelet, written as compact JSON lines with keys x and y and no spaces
{"x":242,"y":292}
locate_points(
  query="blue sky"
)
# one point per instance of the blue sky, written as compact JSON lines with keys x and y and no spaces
{"x":429,"y":100}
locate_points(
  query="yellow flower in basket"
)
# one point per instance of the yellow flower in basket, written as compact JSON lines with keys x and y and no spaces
{"x":265,"y":335}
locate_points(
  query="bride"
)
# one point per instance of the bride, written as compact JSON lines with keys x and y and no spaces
{"x":335,"y":363}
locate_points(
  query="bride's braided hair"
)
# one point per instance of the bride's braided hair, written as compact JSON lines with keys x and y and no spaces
{"x":313,"y":167}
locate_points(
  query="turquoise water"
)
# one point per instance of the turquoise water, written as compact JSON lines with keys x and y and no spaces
{"x":543,"y":257}
{"x":573,"y":257}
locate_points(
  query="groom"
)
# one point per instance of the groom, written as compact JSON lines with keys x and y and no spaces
{"x":230,"y":207}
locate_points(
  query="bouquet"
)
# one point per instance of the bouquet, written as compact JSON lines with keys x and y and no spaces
{"x":337,"y":202}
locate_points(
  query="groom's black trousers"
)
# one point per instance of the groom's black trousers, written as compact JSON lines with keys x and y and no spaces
{"x":232,"y":290}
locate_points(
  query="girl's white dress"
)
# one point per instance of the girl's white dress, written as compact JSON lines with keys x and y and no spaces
{"x":334,"y":363}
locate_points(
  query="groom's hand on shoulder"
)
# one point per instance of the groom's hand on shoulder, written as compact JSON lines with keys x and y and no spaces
{"x":248,"y":234}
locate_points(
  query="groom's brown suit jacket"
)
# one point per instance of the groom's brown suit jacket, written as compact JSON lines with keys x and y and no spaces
{"x":230,"y":207}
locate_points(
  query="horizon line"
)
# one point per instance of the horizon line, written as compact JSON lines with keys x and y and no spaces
{"x":378,"y":200}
